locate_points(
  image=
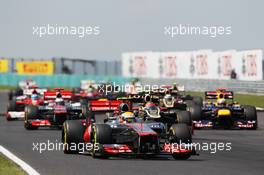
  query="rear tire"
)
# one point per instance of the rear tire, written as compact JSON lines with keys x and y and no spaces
{"x":12,"y":105}
{"x":184,"y":117}
{"x":19,"y":92}
{"x":72,"y":134}
{"x":11,"y":94}
{"x":196,"y":112}
{"x":189,"y":102}
{"x":198,"y":100}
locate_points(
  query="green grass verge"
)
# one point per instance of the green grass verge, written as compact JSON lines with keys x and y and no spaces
{"x":255,"y":100}
{"x":8,"y":167}
{"x":6,"y":87}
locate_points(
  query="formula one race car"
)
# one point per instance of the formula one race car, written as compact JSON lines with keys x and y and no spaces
{"x":22,"y":85}
{"x":218,"y":112}
{"x":57,"y":108}
{"x":178,"y":92}
{"x":30,"y":96}
{"x":97,"y":91}
{"x":127,"y":137}
{"x":170,"y":100}
{"x":102,"y":105}
{"x":148,"y":106}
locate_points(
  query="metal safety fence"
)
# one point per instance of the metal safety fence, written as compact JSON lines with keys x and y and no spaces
{"x":256,"y":87}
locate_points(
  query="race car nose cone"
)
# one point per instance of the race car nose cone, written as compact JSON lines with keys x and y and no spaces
{"x":223,"y":113}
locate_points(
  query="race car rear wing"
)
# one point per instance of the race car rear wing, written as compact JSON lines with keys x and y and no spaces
{"x":219,"y":95}
{"x":166,"y":89}
{"x":103,"y":105}
{"x":180,"y":88}
{"x":26,"y":83}
{"x":50,"y":95}
{"x":30,"y":91}
{"x":140,"y":98}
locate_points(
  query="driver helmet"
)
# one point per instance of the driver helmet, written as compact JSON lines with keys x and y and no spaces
{"x":90,"y":89}
{"x":175,"y":86}
{"x":152,"y":109}
{"x":27,"y":86}
{"x":59,"y":101}
{"x":221,"y":101}
{"x":127,"y":117}
{"x":34,"y":96}
{"x":168,"y":99}
{"x":123,"y":107}
{"x":150,"y":106}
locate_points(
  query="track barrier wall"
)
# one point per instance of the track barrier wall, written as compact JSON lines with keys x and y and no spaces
{"x":58,"y":80}
{"x":254,"y":87}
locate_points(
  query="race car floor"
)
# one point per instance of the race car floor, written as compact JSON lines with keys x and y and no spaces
{"x":245,"y":157}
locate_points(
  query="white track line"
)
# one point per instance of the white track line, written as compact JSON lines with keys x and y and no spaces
{"x":259,"y":109}
{"x":26,"y":167}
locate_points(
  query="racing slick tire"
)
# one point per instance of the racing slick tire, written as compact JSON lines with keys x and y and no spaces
{"x":250,"y":113}
{"x":102,"y":134}
{"x":198,"y":100}
{"x":195,"y":110}
{"x":11,"y":94}
{"x":14,"y":93}
{"x":180,"y":134}
{"x":12,"y":105}
{"x":19,"y":92}
{"x":184,"y":117}
{"x":30,"y":113}
{"x":189,"y":102}
{"x":72,"y":136}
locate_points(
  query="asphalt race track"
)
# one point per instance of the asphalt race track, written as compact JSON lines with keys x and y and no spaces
{"x":245,"y":157}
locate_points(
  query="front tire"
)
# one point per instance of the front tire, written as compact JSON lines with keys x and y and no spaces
{"x":196,"y":111}
{"x":180,"y":134}
{"x":184,"y":117}
{"x":31,"y":112}
{"x":250,"y":113}
{"x":12,"y":105}
{"x":72,"y":134}
{"x":102,"y":134}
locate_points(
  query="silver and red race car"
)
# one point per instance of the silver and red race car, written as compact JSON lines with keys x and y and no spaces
{"x":56,"y":108}
{"x":30,"y":96}
{"x":128,"y":138}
